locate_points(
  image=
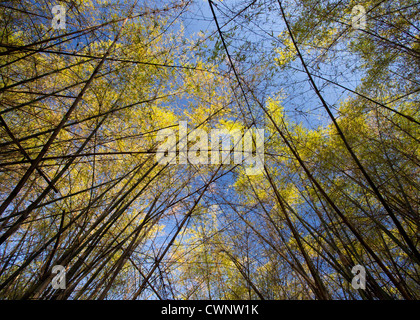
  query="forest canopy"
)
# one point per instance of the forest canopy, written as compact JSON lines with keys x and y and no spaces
{"x":325,"y":94}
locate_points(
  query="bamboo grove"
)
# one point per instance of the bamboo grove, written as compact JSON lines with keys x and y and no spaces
{"x":80,"y":185}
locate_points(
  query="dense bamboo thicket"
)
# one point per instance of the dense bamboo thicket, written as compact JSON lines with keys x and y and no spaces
{"x":335,"y":85}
